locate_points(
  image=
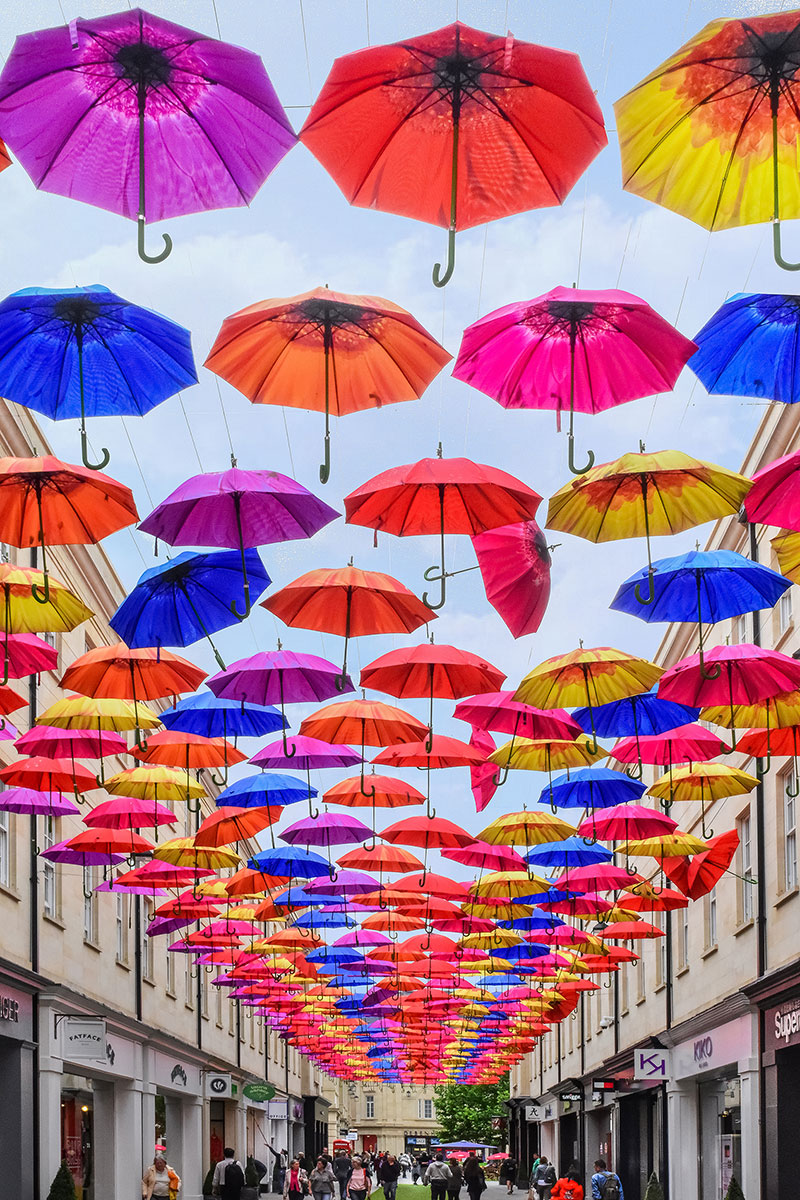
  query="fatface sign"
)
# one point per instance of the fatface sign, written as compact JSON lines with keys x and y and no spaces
{"x":84,"y":1039}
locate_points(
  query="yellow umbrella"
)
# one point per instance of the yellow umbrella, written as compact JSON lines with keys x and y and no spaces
{"x":712,"y":133}
{"x":182,"y":852}
{"x":87,"y":712}
{"x":500,"y":884}
{"x":497,"y":911}
{"x":705,"y":782}
{"x":489,"y":941}
{"x":164,"y":785}
{"x":645,"y":495}
{"x":787,"y":550}
{"x":546,"y":754}
{"x":526,"y":829}
{"x":779,"y":712}
{"x":668,"y":845}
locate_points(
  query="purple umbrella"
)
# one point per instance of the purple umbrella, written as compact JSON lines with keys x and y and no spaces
{"x":238,"y":510}
{"x":330,"y":829}
{"x":44,"y":804}
{"x":286,"y":677}
{"x":62,"y":852}
{"x":86,"y":105}
{"x":306,"y":754}
{"x":346,"y":883}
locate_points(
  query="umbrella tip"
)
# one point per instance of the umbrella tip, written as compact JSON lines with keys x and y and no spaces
{"x":439,"y":450}
{"x":642,"y":446}
{"x":234,"y":460}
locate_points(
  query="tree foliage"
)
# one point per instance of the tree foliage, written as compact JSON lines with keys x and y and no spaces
{"x":734,"y":1191}
{"x":465,"y":1111}
{"x":63,"y":1185}
{"x":654,"y":1189}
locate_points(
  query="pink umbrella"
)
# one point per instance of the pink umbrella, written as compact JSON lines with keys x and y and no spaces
{"x":482,"y":776}
{"x":572,"y":351}
{"x":329,"y":829}
{"x":687,"y":743}
{"x":500,"y":712}
{"x":24,"y":654}
{"x":774,"y":498}
{"x":600,"y":877}
{"x":626,"y":821}
{"x":514,"y":563}
{"x":63,"y":852}
{"x":489,"y":858}
{"x":33,"y":803}
{"x":49,"y":741}
{"x":124,"y":812}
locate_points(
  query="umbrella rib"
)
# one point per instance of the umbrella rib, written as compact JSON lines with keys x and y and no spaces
{"x":754,"y":104}
{"x":96,"y":103}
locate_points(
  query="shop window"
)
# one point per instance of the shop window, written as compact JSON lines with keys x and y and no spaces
{"x":49,"y":876}
{"x":744,"y":884}
{"x":5,"y":849}
{"x":121,"y":923}
{"x":89,"y":907}
{"x":370,"y":1112}
{"x":683,"y":938}
{"x":789,"y":781}
{"x":785,"y":610}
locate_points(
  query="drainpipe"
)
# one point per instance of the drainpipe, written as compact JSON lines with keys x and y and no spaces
{"x":33,"y":710}
{"x":137,"y":955}
{"x":668,"y":997}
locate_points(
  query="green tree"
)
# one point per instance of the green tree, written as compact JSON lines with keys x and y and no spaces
{"x":63,"y":1185}
{"x":734,"y":1191}
{"x":464,"y":1111}
{"x":654,"y":1189}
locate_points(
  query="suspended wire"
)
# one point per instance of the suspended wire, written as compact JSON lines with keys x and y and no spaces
{"x":138,"y":464}
{"x":624,"y":252}
{"x":191,"y":435}
{"x":216,"y":18}
{"x":288,"y":439}
{"x":583,"y":227}
{"x":305,"y":44}
{"x":224,"y":416}
{"x":366,"y":14}
{"x":675,"y":322}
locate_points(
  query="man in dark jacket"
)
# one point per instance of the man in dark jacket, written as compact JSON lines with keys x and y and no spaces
{"x":342,"y":1169}
{"x":544,"y":1179}
{"x":389,"y":1171}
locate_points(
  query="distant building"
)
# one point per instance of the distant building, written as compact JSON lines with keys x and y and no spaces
{"x":395,"y":1117}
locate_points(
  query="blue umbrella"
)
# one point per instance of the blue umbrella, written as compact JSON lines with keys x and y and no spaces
{"x":254,"y":791}
{"x":532,"y":923}
{"x":298,"y":897}
{"x":209,"y":716}
{"x":572,"y":852}
{"x":749,"y":348}
{"x":317,"y":920}
{"x":85,"y":352}
{"x":188,"y":598}
{"x":289,"y":861}
{"x":592,"y":787}
{"x":635,"y":716}
{"x":703,"y":585}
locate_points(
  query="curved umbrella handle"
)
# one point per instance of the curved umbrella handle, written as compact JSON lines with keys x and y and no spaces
{"x":499,"y":780}
{"x":191,"y":806}
{"x":762,"y":771}
{"x":41,"y":595}
{"x":793,"y":792}
{"x":440,"y":279}
{"x":571,"y":460}
{"x":289,"y":751}
{"x":6,"y":667}
{"x":98,"y":466}
{"x":776,"y":249}
{"x":651,"y":592}
{"x":635,"y":770}
{"x":152,"y":258}
{"x":220,"y":782}
{"x":325,"y":467}
{"x":341,"y":682}
{"x":442,"y":577}
{"x":242,"y":616}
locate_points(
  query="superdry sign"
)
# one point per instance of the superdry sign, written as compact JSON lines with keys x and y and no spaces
{"x":783,"y":1025}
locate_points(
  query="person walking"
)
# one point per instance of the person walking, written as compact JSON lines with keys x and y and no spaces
{"x":389,"y":1171}
{"x":342,"y":1166}
{"x":160,"y":1181}
{"x":405,"y":1163}
{"x":228,"y":1178}
{"x":322,"y":1180}
{"x":606,"y":1185}
{"x":567,"y":1187}
{"x":416,"y":1172}
{"x":474,"y":1177}
{"x":295,"y":1183}
{"x":456,"y":1179}
{"x":437,"y":1174}
{"x":359,"y":1185}
{"x":508,"y":1173}
{"x":543,"y":1179}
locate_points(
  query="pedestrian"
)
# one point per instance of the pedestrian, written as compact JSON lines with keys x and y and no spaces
{"x":228,"y":1178}
{"x":405,"y":1163}
{"x":567,"y":1187}
{"x":160,"y":1180}
{"x":359,"y":1185}
{"x":544,"y":1179}
{"x":389,"y":1171}
{"x":456,"y":1179}
{"x":322,"y":1180}
{"x":295,"y":1184}
{"x":437,"y":1174}
{"x":606,"y":1184}
{"x":508,"y":1173}
{"x":474,"y":1177}
{"x":342,"y":1166}
{"x":416,"y":1171}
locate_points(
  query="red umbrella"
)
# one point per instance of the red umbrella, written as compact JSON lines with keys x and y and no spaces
{"x":49,"y":775}
{"x":430,"y":832}
{"x":482,"y":776}
{"x":487,"y":857}
{"x":439,"y":496}
{"x":124,"y":812}
{"x":774,"y":498}
{"x":110,"y":841}
{"x":665,"y":900}
{"x":514,"y":562}
{"x":500,"y":712}
{"x":698,"y":874}
{"x":443,"y":752}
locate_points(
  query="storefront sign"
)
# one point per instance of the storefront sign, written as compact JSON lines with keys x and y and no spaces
{"x":783,"y":1025}
{"x":218,"y":1087}
{"x":571,"y":1097}
{"x":651,"y":1064}
{"x":260,"y":1092}
{"x":84,"y":1039}
{"x":174,"y":1074}
{"x":604,"y":1085}
{"x":716,"y":1048}
{"x":277,"y":1110}
{"x":16,"y":1014}
{"x":533,"y":1112}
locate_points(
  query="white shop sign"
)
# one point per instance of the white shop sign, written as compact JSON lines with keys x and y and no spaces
{"x":83,"y":1039}
{"x":714,"y":1049}
{"x":174,"y":1074}
{"x":652,"y":1064}
{"x":276,"y":1110}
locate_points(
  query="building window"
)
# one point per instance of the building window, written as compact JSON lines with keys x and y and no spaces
{"x":740,"y":628}
{"x":624,"y":987}
{"x":641,"y":980}
{"x":425,"y":1109}
{"x":188,"y":982}
{"x":789,"y":780}
{"x":5,"y":849}
{"x":370,"y":1113}
{"x":785,"y":610}
{"x":5,"y":552}
{"x":711,"y":919}
{"x":49,"y":889}
{"x":122,"y":927}
{"x":89,"y":906}
{"x":745,"y":869}
{"x":218,"y":1014}
{"x":659,"y":920}
{"x":170,"y":973}
{"x":683,"y":937}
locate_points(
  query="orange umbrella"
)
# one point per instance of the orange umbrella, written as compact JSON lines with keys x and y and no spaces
{"x":364,"y":723}
{"x":223,"y":827}
{"x":349,"y":603}
{"x":43,"y":500}
{"x":379,"y":859}
{"x":169,"y":748}
{"x":387,"y":792}
{"x":328,"y":352}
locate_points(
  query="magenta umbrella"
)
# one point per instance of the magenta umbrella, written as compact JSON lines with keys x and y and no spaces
{"x":141,"y":117}
{"x":774,"y":498}
{"x":514,"y":563}
{"x":625,"y":821}
{"x":483,"y":776}
{"x":305,"y":754}
{"x":345,"y":883}
{"x":572,"y":351}
{"x":238,"y":510}
{"x":500,"y":712}
{"x":62,"y":852}
{"x":125,"y":812}
{"x":25,"y":654}
{"x":327,"y":829}
{"x":51,"y":742}
{"x":33,"y":803}
{"x":687,"y":743}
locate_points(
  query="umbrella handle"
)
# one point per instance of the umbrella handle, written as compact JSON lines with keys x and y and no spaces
{"x":41,"y":595}
{"x":440,"y":279}
{"x":571,"y":460}
{"x":635,"y":770}
{"x":651,"y":589}
{"x":191,"y":806}
{"x":152,"y":258}
{"x":442,"y":577}
{"x":220,"y":782}
{"x":630,"y":870}
{"x":98,"y":466}
{"x":793,"y":793}
{"x":762,"y":771}
{"x":341,"y":682}
{"x":776,"y":249}
{"x":364,"y":791}
{"x":289,"y":751}
{"x":590,"y":841}
{"x":499,"y":779}
{"x":6,"y":666}
{"x":325,"y":466}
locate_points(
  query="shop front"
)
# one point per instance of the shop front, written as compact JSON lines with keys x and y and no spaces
{"x":17,"y":1066}
{"x":177,"y":1091}
{"x":546,"y":1114}
{"x":782,"y":1096}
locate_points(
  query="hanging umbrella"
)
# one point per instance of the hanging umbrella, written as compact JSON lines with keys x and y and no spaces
{"x":626,"y":821}
{"x":748,"y":674}
{"x":155,"y":783}
{"x":572,"y":350}
{"x":49,"y":775}
{"x":349,"y":603}
{"x":26,"y":610}
{"x":364,"y":723}
{"x":78,"y":352}
{"x":491,"y":858}
{"x":206,"y":714}
{"x":49,"y":741}
{"x":436,"y":752}
{"x":305,"y":754}
{"x":184,"y":852}
{"x":712,"y":133}
{"x":764,"y":743}
{"x":665,"y":845}
{"x":482,"y":776}
{"x":431,"y":833}
{"x":686,"y":743}
{"x":326,"y":351}
{"x":291,"y":863}
{"x":141,"y":117}
{"x":599,"y":787}
{"x":90,"y":713}
{"x":327,"y":829}
{"x":696,"y":876}
{"x":27,"y":655}
{"x":705,"y":782}
{"x":124,"y":812}
{"x":385,"y":792}
{"x":747,"y":348}
{"x":255,"y":791}
{"x":439,"y":496}
{"x":34,"y":803}
{"x":188,"y":598}
{"x":237,"y":510}
{"x":45,"y":501}
{"x":380,"y":858}
{"x":645,"y":495}
{"x":455,"y":127}
{"x":190,"y":751}
{"x":643,"y":714}
{"x":514,"y":562}
{"x":222,"y":828}
{"x":787,"y":552}
{"x":526,"y":829}
{"x":571,"y":852}
{"x":82,"y":855}
{"x":702,"y":585}
{"x":773,"y":498}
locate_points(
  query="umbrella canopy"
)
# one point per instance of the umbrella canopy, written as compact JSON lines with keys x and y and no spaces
{"x":125,"y":812}
{"x":35,"y":803}
{"x":254,"y":791}
{"x":500,"y":712}
{"x":686,"y":743}
{"x":598,"y":787}
{"x":131,"y":674}
{"x":526,"y":829}
{"x":326,"y":829}
{"x":155,"y":783}
{"x":514,"y":563}
{"x":438,"y":752}
{"x":711,"y":133}
{"x":696,"y":876}
{"x":643,"y":714}
{"x":773,"y":498}
{"x":25,"y":654}
{"x":364,"y":723}
{"x":747,"y":348}
{"x":747,"y":675}
{"x":49,"y":775}
{"x":787,"y":552}
{"x":626,"y":821}
{"x":180,"y":122}
{"x":455,"y":127}
{"x":53,"y":742}
{"x":89,"y":712}
{"x":572,"y":351}
{"x":291,"y":863}
{"x":78,"y":352}
{"x":169,"y":748}
{"x":34,"y":603}
{"x":187,"y":598}
{"x":328,"y":352}
{"x":305,"y":754}
{"x":385,"y":792}
{"x":428,"y":832}
{"x":439,"y":496}
{"x":208,"y":715}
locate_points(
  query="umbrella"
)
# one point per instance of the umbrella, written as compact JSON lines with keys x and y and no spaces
{"x":492,"y":858}
{"x":645,"y":495}
{"x":702,"y":585}
{"x":626,"y":821}
{"x":599,"y":787}
{"x":787,"y":552}
{"x":705,"y":782}
{"x":326,"y":351}
{"x":238,"y":509}
{"x":49,"y":741}
{"x":455,"y":127}
{"x":187,"y":598}
{"x":206,"y":714}
{"x":170,"y":748}
{"x":155,"y":783}
{"x":429,"y":832}
{"x":747,"y":348}
{"x":643,"y":714}
{"x":125,"y":812}
{"x":73,"y":352}
{"x":526,"y":829}
{"x":773,"y":498}
{"x":255,"y":791}
{"x":572,"y":350}
{"x":364,"y":723}
{"x":35,"y":803}
{"x":26,"y":610}
{"x":763,"y":743}
{"x":184,"y":852}
{"x":379,"y":858}
{"x":25,"y":654}
{"x":747,"y":675}
{"x":436,"y":752}
{"x":514,"y":562}
{"x":712,"y":132}
{"x":665,"y":845}
{"x":43,"y":500}
{"x":49,"y":775}
{"x":349,"y":603}
{"x":82,"y":856}
{"x":696,"y":876}
{"x":142,"y":117}
{"x":85,"y":712}
{"x":326,"y":829}
{"x":439,"y":496}
{"x":483,"y":779}
{"x":385,"y":792}
{"x":571,"y":852}
{"x":303,"y":753}
{"x":686,"y":743}
{"x":291,"y":863}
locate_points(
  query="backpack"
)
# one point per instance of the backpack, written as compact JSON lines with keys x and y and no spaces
{"x":233,"y":1181}
{"x":609,"y":1188}
{"x":546,"y":1175}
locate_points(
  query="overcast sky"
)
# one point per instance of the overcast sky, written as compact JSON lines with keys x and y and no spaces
{"x":300,"y":232}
